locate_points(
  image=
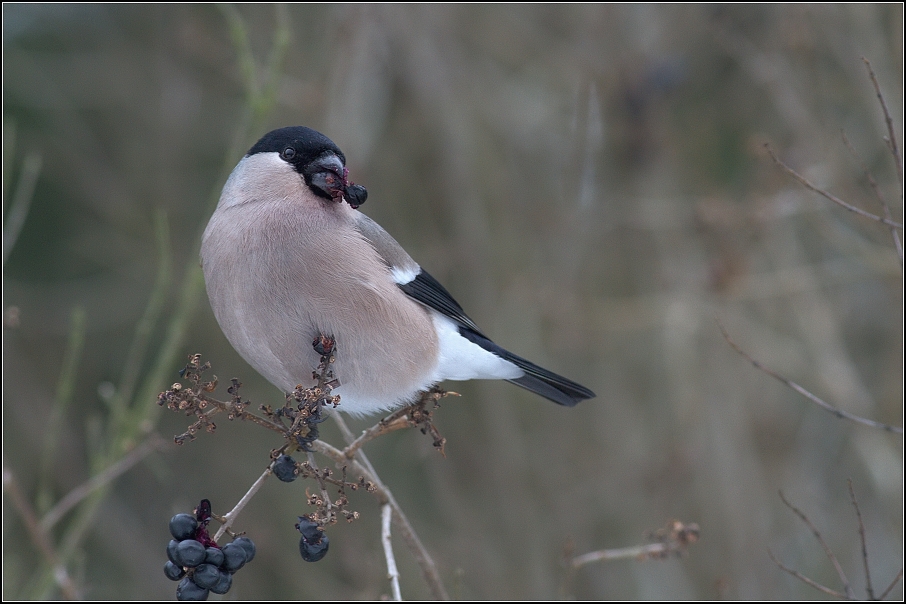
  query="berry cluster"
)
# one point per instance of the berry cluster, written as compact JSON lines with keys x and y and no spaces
{"x":197,"y":562}
{"x":314,"y":543}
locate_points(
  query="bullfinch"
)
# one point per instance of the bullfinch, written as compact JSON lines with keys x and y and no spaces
{"x":287,"y":256}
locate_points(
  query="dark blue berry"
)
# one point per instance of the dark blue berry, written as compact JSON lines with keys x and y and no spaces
{"x":173,"y":572}
{"x":314,"y":543}
{"x":223,"y":586}
{"x":309,"y":529}
{"x":171,"y":552}
{"x":355,"y":195}
{"x":285,"y":468}
{"x":206,"y":576}
{"x":248,"y":546}
{"x":234,"y":557}
{"x":189,"y":553}
{"x":312,"y":552}
{"x":213,"y":555}
{"x":188,"y":591}
{"x":183,"y":526}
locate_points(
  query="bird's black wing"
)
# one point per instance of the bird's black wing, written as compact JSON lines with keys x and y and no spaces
{"x":426,"y":289}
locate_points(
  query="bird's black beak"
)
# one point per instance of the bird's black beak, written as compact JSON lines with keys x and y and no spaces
{"x":327,"y":176}
{"x":329,"y":179}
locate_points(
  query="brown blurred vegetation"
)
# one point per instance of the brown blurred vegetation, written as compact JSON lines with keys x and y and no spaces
{"x":589,"y":181}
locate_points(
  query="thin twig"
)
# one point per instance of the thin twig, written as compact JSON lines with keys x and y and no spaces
{"x":640,"y":552}
{"x":825,"y":194}
{"x":897,"y":244}
{"x":76,"y":495}
{"x":675,"y":538}
{"x":419,"y":552}
{"x":392,"y":573}
{"x":824,"y":405}
{"x":827,"y":550}
{"x":231,"y":515}
{"x":852,"y":497}
{"x":891,"y":131}
{"x":806,"y":580}
{"x":39,"y":535}
{"x":218,"y":406}
{"x":397,"y":421}
{"x":890,"y":587}
{"x":324,"y":494}
{"x":255,"y":419}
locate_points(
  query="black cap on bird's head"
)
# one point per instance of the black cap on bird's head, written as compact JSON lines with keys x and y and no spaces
{"x":319,"y":161}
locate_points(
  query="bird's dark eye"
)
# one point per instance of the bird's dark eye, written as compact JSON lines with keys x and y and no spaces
{"x":288,"y":153}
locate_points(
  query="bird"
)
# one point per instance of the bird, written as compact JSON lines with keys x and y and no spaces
{"x":288,"y":256}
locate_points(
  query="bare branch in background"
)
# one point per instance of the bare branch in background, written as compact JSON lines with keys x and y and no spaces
{"x":823,"y":404}
{"x":806,"y":580}
{"x":852,"y":497}
{"x":39,"y":535}
{"x":897,"y":244}
{"x":827,"y":550}
{"x":847,"y":589}
{"x":808,"y":185}
{"x":891,"y":132}
{"x":892,"y":585}
{"x":72,"y":499}
{"x":674,"y":539}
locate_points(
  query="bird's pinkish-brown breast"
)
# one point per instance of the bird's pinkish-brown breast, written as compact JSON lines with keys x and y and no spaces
{"x":314,"y":274}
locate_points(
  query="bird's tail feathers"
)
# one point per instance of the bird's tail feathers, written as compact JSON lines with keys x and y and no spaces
{"x":537,"y":379}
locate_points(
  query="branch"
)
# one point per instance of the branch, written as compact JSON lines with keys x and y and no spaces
{"x":827,"y":550}
{"x":39,"y":535}
{"x":419,"y":552}
{"x":852,"y":497}
{"x":392,"y":423}
{"x":392,"y":573}
{"x":639,"y":552}
{"x":891,"y":132}
{"x":413,"y":416}
{"x":806,"y":580}
{"x":231,"y":515}
{"x":833,"y":198}
{"x":675,"y":538}
{"x":824,"y":405}
{"x":72,"y":499}
{"x":325,"y":496}
{"x":897,"y":244}
{"x":892,"y":585}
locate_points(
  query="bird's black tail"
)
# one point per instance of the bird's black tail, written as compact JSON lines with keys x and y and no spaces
{"x":537,"y":379}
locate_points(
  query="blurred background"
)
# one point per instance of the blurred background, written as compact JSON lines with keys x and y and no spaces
{"x":590,"y":182}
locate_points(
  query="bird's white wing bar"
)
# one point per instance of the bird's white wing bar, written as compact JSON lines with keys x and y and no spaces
{"x":403,"y":268}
